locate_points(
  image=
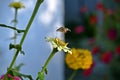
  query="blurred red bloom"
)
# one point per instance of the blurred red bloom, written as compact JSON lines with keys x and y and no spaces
{"x":79,"y":29}
{"x":87,"y":72}
{"x":112,"y":34}
{"x":99,"y":6}
{"x":93,"y":20}
{"x":83,"y":9}
{"x":106,"y":57}
{"x":118,"y":49}
{"x":95,"y":50}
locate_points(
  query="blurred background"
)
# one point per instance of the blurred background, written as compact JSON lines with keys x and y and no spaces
{"x":94,"y":25}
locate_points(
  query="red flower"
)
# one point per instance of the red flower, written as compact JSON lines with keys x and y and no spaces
{"x":93,"y":20}
{"x":118,"y":49}
{"x":99,"y":6}
{"x":106,"y":57}
{"x":95,"y":50}
{"x":83,"y":9}
{"x":87,"y":72}
{"x":112,"y":34}
{"x":79,"y":29}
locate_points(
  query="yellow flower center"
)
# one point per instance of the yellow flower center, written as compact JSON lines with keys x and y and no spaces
{"x":60,"y":42}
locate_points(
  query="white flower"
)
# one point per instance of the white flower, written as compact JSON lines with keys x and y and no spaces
{"x":59,"y":44}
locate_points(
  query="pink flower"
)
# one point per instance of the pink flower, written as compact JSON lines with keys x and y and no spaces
{"x":10,"y":77}
{"x":106,"y":57}
{"x":79,"y":29}
{"x":17,"y":78}
{"x":112,"y":34}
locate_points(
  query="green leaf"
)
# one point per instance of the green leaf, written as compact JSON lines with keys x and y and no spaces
{"x":41,"y":75}
{"x":46,"y":71}
{"x":18,"y":67}
{"x":22,"y":75}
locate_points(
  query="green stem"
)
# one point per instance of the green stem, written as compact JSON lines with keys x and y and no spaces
{"x":10,"y":27}
{"x":73,"y":75}
{"x":26,"y":31}
{"x":48,"y":60}
{"x":15,"y":23}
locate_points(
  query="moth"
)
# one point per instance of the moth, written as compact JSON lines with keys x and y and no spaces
{"x":63,"y":29}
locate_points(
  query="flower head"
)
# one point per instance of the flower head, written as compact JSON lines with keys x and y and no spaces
{"x":99,"y":6}
{"x":59,"y":44}
{"x":93,"y":19}
{"x":9,"y":76}
{"x":80,"y":59}
{"x":79,"y":29}
{"x":17,"y":5}
{"x":106,"y":57}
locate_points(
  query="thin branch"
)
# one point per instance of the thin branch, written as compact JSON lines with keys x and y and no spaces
{"x":10,"y":27}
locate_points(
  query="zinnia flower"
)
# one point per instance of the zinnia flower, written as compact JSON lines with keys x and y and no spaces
{"x":99,"y":6}
{"x":17,"y":5}
{"x":106,"y":57}
{"x":80,"y":59}
{"x":112,"y":34}
{"x":59,"y":44}
{"x":79,"y":29}
{"x":10,"y":77}
{"x":93,"y":20}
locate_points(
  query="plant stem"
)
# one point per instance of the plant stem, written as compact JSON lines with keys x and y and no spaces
{"x":47,"y":62}
{"x":73,"y":75}
{"x":15,"y":23}
{"x":48,"y":59}
{"x":26,"y":31}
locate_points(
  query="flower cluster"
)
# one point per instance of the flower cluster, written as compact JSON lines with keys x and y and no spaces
{"x":80,"y":59}
{"x":103,"y":40}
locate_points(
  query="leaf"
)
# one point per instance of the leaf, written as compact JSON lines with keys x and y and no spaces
{"x":46,"y":71}
{"x":23,"y":75}
{"x":18,"y":67}
{"x":41,"y":75}
{"x":14,"y":72}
